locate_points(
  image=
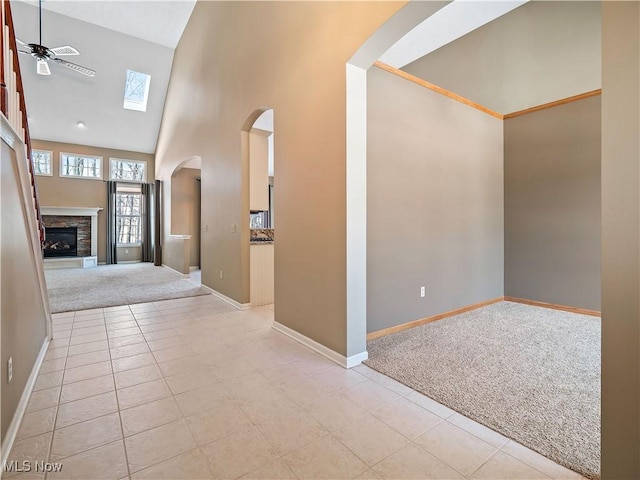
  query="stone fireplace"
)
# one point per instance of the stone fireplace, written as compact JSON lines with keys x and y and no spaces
{"x":85,"y":223}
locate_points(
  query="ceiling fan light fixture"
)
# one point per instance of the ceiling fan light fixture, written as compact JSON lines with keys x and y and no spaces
{"x":43,"y":68}
{"x":42,"y":53}
{"x":81,"y":124}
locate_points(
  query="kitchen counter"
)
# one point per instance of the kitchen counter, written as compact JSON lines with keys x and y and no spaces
{"x":258,"y":236}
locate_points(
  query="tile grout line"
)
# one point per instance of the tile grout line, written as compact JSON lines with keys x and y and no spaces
{"x":64,"y":372}
{"x":62,"y":384}
{"x":233,"y":347}
{"x":115,"y":389}
{"x":60,"y":403}
{"x":55,"y":421}
{"x":183,"y":417}
{"x":485,"y":462}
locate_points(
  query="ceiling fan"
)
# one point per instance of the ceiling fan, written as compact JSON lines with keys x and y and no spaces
{"x":43,"y":54}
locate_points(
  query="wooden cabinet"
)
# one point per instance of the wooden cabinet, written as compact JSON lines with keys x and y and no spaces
{"x":259,"y":169}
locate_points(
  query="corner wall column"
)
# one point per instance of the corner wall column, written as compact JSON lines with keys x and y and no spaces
{"x":356,"y":215}
{"x":620,"y":240}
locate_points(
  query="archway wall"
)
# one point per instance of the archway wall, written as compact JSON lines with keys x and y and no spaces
{"x":377,"y":44}
{"x":177,"y":213}
{"x":185,"y":207}
{"x":213,"y":90}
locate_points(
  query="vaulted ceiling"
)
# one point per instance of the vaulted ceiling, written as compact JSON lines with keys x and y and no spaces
{"x":111,"y":37}
{"x":506,"y":55}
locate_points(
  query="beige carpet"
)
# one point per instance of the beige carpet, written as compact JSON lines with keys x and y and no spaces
{"x":109,"y":285}
{"x":530,"y":373}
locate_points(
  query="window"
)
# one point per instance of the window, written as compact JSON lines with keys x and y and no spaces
{"x":128,"y":170}
{"x":42,"y":162}
{"x":128,"y":217}
{"x":80,"y":166}
{"x":136,"y":91}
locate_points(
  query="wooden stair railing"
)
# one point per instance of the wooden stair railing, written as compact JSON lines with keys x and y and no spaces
{"x":12,"y":101}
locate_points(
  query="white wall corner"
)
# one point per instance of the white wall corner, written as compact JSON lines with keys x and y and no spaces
{"x":224,"y":298}
{"x":345,"y":362}
{"x":183,"y":275}
{"x":356,"y":210}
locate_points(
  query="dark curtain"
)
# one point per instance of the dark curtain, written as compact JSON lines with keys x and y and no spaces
{"x":157,"y":212}
{"x":112,"y":240}
{"x":148,"y":243}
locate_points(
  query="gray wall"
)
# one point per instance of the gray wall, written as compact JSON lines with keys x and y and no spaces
{"x":434,"y":203}
{"x":552,"y":205}
{"x":23,"y":319}
{"x":620,"y":240}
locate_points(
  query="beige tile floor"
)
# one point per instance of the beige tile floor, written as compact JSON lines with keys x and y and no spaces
{"x":192,"y":388}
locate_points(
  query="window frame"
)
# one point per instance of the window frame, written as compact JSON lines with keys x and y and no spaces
{"x":83,"y":155}
{"x":129,"y":190}
{"x":50,"y":174}
{"x":112,"y":160}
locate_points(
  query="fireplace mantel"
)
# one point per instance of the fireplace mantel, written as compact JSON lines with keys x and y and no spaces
{"x":71,"y":211}
{"x":79,"y":212}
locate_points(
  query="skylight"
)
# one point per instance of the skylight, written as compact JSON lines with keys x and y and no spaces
{"x":136,"y":91}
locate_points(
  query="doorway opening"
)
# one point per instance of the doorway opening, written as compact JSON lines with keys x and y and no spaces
{"x":261,"y":215}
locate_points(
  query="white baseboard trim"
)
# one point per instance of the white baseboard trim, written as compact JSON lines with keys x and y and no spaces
{"x":185,"y":275}
{"x":194,"y":267}
{"x":230,"y":301}
{"x":12,"y":431}
{"x":355,"y":360}
{"x":121,"y":262}
{"x":345,"y":362}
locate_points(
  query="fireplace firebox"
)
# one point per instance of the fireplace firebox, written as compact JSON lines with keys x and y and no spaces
{"x":61,"y":242}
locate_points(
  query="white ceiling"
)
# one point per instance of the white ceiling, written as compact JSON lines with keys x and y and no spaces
{"x":160,"y":21}
{"x":57,"y":102}
{"x":451,"y":22}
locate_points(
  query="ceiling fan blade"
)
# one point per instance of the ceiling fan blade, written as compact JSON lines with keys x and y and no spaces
{"x":66,"y":50}
{"x":78,"y":68}
{"x":43,"y":68}
{"x":24,"y":51}
{"x":21,"y":42}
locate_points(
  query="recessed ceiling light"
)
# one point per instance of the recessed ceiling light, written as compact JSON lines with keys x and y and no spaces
{"x":81,"y":124}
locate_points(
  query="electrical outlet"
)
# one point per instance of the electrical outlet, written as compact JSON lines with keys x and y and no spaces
{"x":205,"y":228}
{"x":126,"y":250}
{"x":221,"y":274}
{"x":233,"y":228}
{"x":423,"y":292}
{"x":10,"y":369}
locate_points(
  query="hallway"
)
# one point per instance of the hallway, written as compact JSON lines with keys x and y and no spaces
{"x":193,"y":388}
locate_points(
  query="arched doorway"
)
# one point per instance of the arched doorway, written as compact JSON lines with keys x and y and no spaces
{"x":182,"y":205}
{"x":258,"y":155}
